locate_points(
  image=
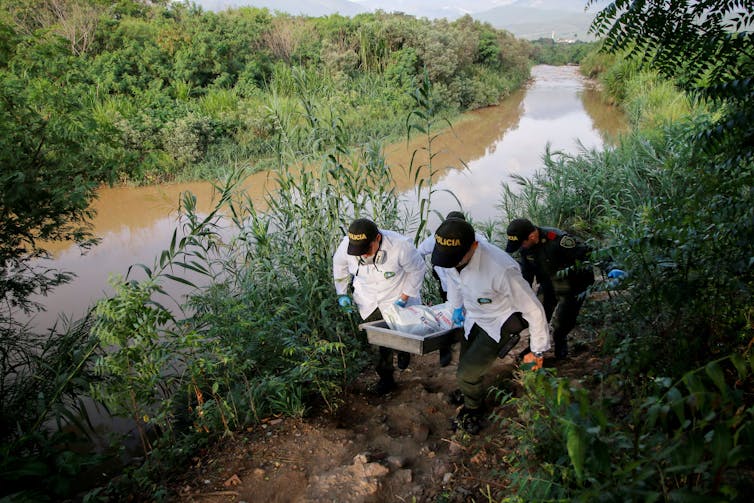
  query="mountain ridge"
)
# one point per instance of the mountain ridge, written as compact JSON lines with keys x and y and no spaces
{"x":529,"y":19}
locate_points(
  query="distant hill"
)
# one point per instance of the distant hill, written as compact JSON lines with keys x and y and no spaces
{"x":313,"y":8}
{"x":530,"y":19}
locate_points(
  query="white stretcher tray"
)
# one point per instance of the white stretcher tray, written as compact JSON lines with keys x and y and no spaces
{"x":379,"y":334}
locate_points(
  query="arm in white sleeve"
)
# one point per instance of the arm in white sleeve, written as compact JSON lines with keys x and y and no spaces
{"x":340,"y":273}
{"x":531,"y":309}
{"x":413,"y":264}
{"x":427,"y":246}
{"x":455,"y":297}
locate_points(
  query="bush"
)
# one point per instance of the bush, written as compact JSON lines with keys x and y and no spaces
{"x":685,"y":439}
{"x":187,"y":139}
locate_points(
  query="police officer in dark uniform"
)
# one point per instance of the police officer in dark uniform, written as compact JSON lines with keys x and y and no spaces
{"x":559,"y":262}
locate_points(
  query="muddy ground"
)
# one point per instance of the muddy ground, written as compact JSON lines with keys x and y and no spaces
{"x":396,"y":448}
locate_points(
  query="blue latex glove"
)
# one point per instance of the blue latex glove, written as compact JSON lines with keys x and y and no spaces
{"x":400,"y":302}
{"x":458,"y":317}
{"x":616,"y":274}
{"x":344,"y":301}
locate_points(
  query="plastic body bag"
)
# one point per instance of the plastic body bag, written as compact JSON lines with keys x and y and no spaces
{"x":417,"y":319}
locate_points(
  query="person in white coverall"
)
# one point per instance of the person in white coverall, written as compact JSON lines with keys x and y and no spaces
{"x":489,"y":297}
{"x":382,"y":267}
{"x":425,"y":248}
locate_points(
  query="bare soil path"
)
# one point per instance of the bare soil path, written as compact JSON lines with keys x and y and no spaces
{"x":373,"y":449}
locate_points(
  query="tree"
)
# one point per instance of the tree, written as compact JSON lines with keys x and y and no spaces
{"x":74,"y":20}
{"x":707,"y":46}
{"x":52,"y":159}
{"x":698,"y":237}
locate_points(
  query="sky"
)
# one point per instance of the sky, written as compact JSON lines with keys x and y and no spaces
{"x":419,"y":8}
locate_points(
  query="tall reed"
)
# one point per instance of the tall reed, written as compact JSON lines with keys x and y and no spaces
{"x":422,"y":169}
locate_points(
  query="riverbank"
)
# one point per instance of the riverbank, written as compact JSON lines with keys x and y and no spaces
{"x":473,"y":159}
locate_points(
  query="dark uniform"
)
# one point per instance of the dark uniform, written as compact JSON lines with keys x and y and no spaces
{"x":559,"y":264}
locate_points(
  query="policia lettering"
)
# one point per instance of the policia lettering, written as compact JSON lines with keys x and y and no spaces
{"x":447,"y":241}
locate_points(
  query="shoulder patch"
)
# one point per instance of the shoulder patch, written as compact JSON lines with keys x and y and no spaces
{"x":568,"y":242}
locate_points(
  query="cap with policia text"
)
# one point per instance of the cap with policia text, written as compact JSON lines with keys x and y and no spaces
{"x":361,"y":233}
{"x":518,"y":231}
{"x":453,"y":239}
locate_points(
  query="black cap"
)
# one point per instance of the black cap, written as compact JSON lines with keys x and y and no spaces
{"x":518,"y":231}
{"x":453,"y":239}
{"x":456,"y":214}
{"x":361,"y":233}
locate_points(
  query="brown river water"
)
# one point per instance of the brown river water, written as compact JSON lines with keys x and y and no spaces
{"x":558,"y":107}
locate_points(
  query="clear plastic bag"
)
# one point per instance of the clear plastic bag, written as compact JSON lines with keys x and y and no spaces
{"x":443,"y":315}
{"x":417,"y":319}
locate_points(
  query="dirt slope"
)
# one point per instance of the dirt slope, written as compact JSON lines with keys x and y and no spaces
{"x":373,"y":449}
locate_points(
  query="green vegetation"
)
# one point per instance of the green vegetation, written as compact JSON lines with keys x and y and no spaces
{"x":148,"y":93}
{"x":182,"y":93}
{"x":263,"y":337}
{"x":95,"y":92}
{"x":132,"y":92}
{"x":673,"y":418}
{"x":546,"y":51}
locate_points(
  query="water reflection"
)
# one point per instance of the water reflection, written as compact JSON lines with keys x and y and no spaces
{"x":135,"y":224}
{"x":554,"y":113}
{"x":608,"y":119}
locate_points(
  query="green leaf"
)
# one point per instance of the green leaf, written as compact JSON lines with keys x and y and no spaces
{"x":180,"y":280}
{"x":575,"y":443}
{"x":195,"y":266}
{"x":677,"y":403}
{"x":563,"y":397}
{"x":687,"y":496}
{"x":715,"y":373}
{"x":720,"y":445}
{"x":740,"y":364}
{"x":146,"y":269}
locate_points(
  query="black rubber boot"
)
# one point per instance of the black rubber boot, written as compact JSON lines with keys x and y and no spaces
{"x":561,"y":346}
{"x":384,"y":386}
{"x":468,"y":420}
{"x":403,"y":360}
{"x":455,"y":397}
{"x":446,"y":356}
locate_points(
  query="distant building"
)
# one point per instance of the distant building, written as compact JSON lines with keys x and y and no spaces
{"x":565,"y":40}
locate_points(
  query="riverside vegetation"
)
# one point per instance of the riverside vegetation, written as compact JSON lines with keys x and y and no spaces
{"x":671,"y":203}
{"x":141,"y":92}
{"x":93,"y":91}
